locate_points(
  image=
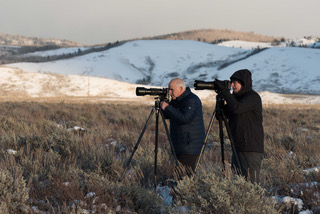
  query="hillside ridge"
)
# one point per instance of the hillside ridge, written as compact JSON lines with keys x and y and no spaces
{"x":203,"y":35}
{"x":20,"y":40}
{"x":216,"y":36}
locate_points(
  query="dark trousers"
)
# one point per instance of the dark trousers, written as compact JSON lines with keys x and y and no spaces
{"x":250,"y":163}
{"x":188,"y":161}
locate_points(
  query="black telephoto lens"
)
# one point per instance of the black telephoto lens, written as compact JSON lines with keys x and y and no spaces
{"x":141,"y":91}
{"x":201,"y":85}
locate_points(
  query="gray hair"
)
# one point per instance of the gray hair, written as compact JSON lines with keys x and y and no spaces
{"x":179,"y":82}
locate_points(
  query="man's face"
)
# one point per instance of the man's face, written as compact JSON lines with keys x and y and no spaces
{"x":174,"y":90}
{"x":236,"y":86}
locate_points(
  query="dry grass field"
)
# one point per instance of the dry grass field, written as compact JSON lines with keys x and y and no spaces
{"x":69,"y":157}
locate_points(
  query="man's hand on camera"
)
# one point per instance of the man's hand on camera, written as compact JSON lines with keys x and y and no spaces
{"x":163,"y":105}
{"x":220,"y":85}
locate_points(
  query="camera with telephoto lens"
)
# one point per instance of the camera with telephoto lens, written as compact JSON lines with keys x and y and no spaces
{"x":217,"y":85}
{"x":163,"y":93}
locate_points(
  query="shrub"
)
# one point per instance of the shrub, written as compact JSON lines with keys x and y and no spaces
{"x":212,"y":193}
{"x":69,"y":172}
{"x":13,"y":191}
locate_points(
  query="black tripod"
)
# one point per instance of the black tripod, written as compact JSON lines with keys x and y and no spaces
{"x":221,"y":118}
{"x":158,"y":111}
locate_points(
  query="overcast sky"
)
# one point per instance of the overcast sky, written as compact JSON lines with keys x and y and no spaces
{"x":100,"y":21}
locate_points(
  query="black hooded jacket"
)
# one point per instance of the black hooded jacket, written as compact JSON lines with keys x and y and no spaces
{"x":244,"y":112}
{"x":186,"y":123}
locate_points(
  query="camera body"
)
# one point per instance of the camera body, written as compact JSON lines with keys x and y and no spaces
{"x":216,"y":85}
{"x":162,"y":93}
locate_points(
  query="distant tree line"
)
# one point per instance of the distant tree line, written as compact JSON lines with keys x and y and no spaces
{"x":18,"y":40}
{"x":18,"y":56}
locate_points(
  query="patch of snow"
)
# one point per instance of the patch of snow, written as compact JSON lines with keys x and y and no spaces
{"x":246,"y":45}
{"x":11,"y":151}
{"x":290,"y":200}
{"x":311,"y":170}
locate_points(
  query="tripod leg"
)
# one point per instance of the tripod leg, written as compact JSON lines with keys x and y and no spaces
{"x":221,"y":142}
{"x":138,"y":142}
{"x":170,"y":141}
{"x":205,"y":140}
{"x":230,"y":138}
{"x":156,"y":150}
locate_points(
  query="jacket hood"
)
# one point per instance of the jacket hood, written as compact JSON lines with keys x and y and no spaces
{"x":244,"y":76}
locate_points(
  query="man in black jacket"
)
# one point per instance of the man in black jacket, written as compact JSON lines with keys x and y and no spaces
{"x":186,"y":122}
{"x":244,"y":113}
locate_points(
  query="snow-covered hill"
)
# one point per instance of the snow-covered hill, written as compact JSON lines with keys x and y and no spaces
{"x":16,"y":84}
{"x":155,"y":62}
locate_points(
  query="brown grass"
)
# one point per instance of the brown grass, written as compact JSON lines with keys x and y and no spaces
{"x":69,"y":171}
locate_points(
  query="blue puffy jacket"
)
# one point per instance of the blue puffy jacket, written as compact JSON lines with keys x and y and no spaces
{"x":186,"y":123}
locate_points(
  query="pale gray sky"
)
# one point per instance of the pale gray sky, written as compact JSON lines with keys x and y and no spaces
{"x":101,"y":21}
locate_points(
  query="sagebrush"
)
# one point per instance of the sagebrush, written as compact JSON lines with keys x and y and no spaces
{"x":49,"y":164}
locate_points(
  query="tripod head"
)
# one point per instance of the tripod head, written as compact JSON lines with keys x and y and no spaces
{"x":160,"y":99}
{"x":220,"y":101}
{"x":164,"y":97}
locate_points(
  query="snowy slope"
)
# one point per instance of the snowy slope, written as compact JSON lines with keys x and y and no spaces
{"x":156,"y":62}
{"x":282,"y":70}
{"x":139,"y":60}
{"x":246,"y":45}
{"x":16,"y":84}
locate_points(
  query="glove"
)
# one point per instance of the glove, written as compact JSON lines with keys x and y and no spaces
{"x":221,"y":85}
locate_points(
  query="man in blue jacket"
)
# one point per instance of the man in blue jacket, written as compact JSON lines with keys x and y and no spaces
{"x":244,"y":112}
{"x":186,"y":122}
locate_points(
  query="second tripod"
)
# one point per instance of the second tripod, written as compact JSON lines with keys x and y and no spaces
{"x":220,"y":115}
